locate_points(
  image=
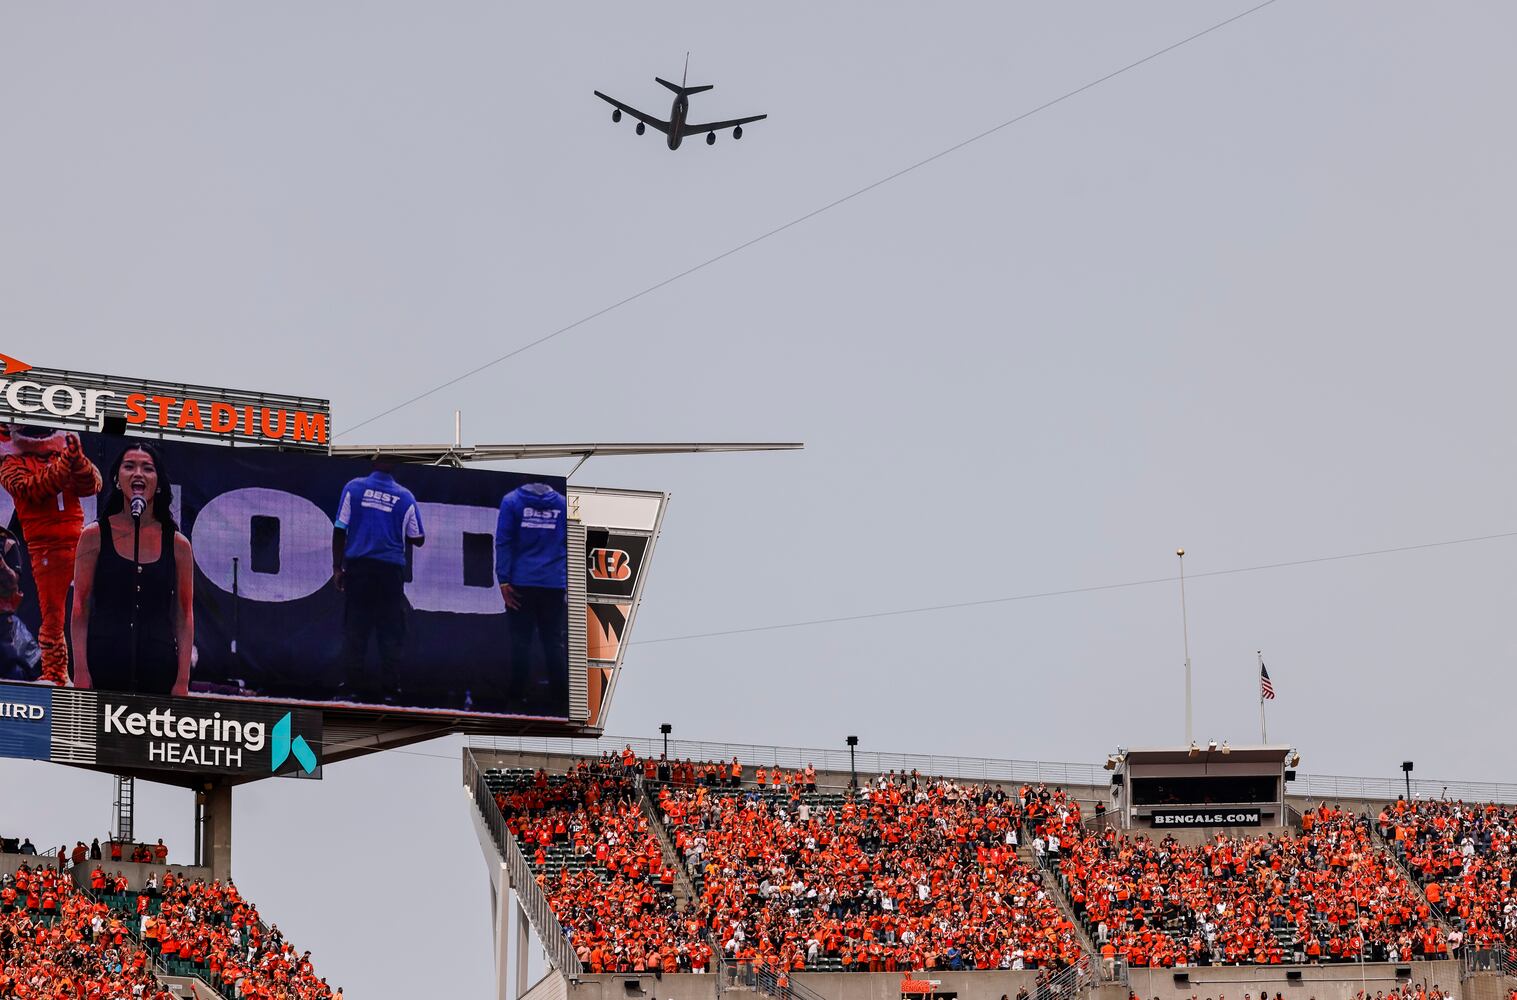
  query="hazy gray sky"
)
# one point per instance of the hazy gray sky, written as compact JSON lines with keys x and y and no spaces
{"x":1251,"y":298}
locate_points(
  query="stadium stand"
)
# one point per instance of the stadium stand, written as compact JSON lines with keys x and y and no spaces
{"x":1330,"y":894}
{"x":803,"y":888}
{"x":61,"y":935}
{"x":907,"y":873}
{"x":57,"y":941}
{"x":587,"y":838}
{"x":1461,"y":853}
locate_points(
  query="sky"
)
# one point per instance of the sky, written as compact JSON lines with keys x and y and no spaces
{"x":1245,"y":298}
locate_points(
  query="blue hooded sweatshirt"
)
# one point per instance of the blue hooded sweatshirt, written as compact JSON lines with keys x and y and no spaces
{"x":532,"y":538}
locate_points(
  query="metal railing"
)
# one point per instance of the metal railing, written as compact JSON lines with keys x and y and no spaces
{"x":1088,"y":973}
{"x":671,"y":854}
{"x":836,"y":760}
{"x":544,"y":921}
{"x":1330,"y":787}
{"x":1498,"y":959}
{"x":1396,"y":853}
{"x":733,"y":974}
{"x":985,"y":769}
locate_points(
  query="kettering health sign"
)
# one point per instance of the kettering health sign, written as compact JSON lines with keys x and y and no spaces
{"x":143,"y":732}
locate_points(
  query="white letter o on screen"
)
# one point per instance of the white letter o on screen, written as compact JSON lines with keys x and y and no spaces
{"x":224,"y":532}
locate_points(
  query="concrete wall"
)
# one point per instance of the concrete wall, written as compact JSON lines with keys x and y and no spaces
{"x":1488,"y":986}
{"x":10,"y":862}
{"x":1195,"y":836}
{"x":136,"y":874}
{"x":554,"y":986}
{"x":1322,"y":982}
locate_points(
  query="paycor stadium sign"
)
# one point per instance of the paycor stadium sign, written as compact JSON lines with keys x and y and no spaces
{"x":131,"y":732}
{"x":148,"y":406}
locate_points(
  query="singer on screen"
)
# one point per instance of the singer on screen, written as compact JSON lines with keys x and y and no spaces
{"x":134,"y":585}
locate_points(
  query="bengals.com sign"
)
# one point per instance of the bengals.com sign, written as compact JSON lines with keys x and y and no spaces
{"x":84,"y":400}
{"x":1192,"y":818}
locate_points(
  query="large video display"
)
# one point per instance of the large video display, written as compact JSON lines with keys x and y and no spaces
{"x":261,"y":574}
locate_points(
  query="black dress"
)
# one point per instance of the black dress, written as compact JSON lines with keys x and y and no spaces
{"x":110,"y":631}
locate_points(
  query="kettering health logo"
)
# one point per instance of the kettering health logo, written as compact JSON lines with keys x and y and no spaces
{"x":282,"y":747}
{"x":177,"y":734}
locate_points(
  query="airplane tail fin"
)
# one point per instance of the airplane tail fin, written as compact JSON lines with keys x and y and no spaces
{"x":687,"y":91}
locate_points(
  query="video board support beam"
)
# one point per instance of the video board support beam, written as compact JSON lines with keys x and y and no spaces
{"x":217,"y":831}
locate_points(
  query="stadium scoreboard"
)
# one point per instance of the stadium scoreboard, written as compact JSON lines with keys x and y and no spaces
{"x":291,"y":606}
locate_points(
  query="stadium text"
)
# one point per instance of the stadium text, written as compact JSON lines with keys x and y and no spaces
{"x":1237,"y":817}
{"x":21,"y":710}
{"x":59,"y":399}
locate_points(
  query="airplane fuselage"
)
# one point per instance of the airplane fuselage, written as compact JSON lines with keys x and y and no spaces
{"x":677,"y":116}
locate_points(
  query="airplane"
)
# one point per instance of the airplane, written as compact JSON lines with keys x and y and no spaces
{"x":676,"y":128}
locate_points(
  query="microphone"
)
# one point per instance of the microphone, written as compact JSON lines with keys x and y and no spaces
{"x":138,"y":506}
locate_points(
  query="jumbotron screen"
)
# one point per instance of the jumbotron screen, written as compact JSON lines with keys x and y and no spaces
{"x":170,"y":568}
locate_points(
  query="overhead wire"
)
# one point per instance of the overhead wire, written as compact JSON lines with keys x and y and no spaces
{"x":1260,"y":567}
{"x":798,"y":220}
{"x":1097,"y":588}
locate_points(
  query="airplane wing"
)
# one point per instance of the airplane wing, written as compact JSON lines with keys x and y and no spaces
{"x":659,"y":124}
{"x":718,"y":126}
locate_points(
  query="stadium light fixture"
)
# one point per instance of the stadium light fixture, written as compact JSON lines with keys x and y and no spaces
{"x":853,"y":771}
{"x":1211,"y":746}
{"x":1225,"y":748}
{"x":1194,"y":748}
{"x":1406,"y":772}
{"x":666,"y":729}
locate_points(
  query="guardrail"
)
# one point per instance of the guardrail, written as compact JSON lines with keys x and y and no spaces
{"x":649,"y":806}
{"x":985,"y":769}
{"x":1498,"y":959}
{"x":544,"y":921}
{"x":836,"y":760}
{"x":1328,"y":786}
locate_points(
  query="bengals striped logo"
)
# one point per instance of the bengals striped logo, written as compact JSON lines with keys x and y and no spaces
{"x":610,"y":564}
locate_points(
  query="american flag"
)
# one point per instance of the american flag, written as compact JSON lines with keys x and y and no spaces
{"x":1266,"y":686}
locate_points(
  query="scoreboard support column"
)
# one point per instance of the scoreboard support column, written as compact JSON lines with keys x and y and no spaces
{"x":216,"y":829}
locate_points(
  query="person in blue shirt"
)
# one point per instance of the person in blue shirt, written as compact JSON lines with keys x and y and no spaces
{"x":377,"y":522}
{"x":531,"y":563}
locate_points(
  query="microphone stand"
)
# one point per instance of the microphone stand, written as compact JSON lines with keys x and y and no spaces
{"x":136,"y":509}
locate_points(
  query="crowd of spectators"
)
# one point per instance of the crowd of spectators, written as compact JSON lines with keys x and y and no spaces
{"x":56,"y":941}
{"x":1462,"y":854}
{"x":602,"y":869}
{"x":1328,"y":894}
{"x":910,"y":873}
{"x":79,"y":854}
{"x":209,"y":929}
{"x":906,"y":873}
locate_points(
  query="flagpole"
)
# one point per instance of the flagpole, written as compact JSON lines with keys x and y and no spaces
{"x":1185,"y":635}
{"x":1263,"y":733}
